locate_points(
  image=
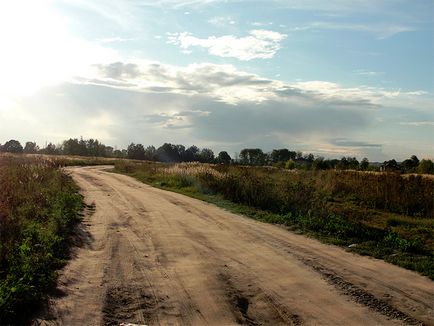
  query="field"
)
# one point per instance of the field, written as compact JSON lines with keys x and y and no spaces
{"x":387,"y":216}
{"x":39,"y":206}
{"x":384,"y":215}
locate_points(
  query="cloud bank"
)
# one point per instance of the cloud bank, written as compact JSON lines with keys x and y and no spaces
{"x":205,"y":104}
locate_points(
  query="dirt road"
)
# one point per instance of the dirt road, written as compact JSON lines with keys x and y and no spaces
{"x":158,"y":258}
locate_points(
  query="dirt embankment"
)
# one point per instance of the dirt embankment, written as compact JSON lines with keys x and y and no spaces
{"x":158,"y":258}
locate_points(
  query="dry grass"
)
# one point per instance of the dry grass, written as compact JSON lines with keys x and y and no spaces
{"x":38,"y":207}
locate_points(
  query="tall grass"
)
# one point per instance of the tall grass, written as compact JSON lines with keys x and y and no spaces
{"x":38,"y":207}
{"x":384,"y":215}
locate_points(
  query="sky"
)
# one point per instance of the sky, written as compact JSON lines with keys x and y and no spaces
{"x":334,"y":78}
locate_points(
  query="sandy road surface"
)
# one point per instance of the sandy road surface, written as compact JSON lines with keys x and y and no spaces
{"x":158,"y":258}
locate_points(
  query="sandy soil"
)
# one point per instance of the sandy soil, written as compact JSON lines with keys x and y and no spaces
{"x":158,"y":258}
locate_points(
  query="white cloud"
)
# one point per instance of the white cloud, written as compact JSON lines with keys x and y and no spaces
{"x":223,"y":82}
{"x":260,"y":44}
{"x":317,"y":5}
{"x":363,"y":72}
{"x":222,"y":21}
{"x":227,"y":84}
{"x":381,"y":31}
{"x":418,"y":123}
{"x":259,"y":24}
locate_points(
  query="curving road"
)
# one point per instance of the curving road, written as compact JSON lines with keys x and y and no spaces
{"x":159,"y":258}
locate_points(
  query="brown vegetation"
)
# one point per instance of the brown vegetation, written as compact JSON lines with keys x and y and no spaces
{"x":38,"y":207}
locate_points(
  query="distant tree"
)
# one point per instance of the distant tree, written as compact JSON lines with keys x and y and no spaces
{"x":31,"y":148}
{"x":83,"y":147}
{"x":50,"y":149}
{"x":410,"y":165}
{"x":168,"y":153}
{"x":299,"y":156}
{"x":425,"y":166}
{"x":150,"y":153}
{"x":414,"y":159}
{"x":224,"y":158}
{"x":309,"y":158}
{"x":282,"y":155}
{"x":390,"y":166}
{"x":192,"y":154}
{"x":13,"y":146}
{"x":95,"y":148}
{"x":364,"y":164}
{"x":320,"y":164}
{"x":353,"y":163}
{"x":206,"y":155}
{"x":348,"y":163}
{"x":136,"y":151}
{"x":343,"y":164}
{"x":333,"y":163}
{"x":108,"y":150}
{"x":73,"y":147}
{"x":180,"y":152}
{"x":252,"y":156}
{"x":118,"y":153}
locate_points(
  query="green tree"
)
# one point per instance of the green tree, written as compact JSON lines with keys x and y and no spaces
{"x":320,"y":164}
{"x":410,"y":165}
{"x":364,"y":164}
{"x":136,"y":151}
{"x":150,"y":153}
{"x":31,"y":148}
{"x":224,"y":158}
{"x":169,"y":153}
{"x":13,"y":146}
{"x":282,"y":155}
{"x":206,"y":155}
{"x":50,"y":149}
{"x":253,"y":156}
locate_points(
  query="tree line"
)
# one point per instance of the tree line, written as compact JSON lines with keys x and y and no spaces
{"x":281,"y":158}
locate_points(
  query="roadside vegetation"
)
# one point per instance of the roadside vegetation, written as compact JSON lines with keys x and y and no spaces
{"x":384,"y":215}
{"x":39,"y":206}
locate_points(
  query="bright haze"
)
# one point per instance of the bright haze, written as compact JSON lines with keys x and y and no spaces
{"x":329,"y":77}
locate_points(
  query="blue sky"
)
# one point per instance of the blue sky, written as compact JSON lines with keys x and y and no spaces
{"x":329,"y":77}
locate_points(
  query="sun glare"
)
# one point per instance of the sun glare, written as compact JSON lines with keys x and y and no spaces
{"x":38,"y":50}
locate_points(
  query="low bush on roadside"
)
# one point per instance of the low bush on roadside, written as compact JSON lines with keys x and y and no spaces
{"x":39,"y":205}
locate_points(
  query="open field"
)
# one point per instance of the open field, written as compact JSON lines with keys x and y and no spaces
{"x":158,"y":258}
{"x":149,"y":256}
{"x":387,"y":216}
